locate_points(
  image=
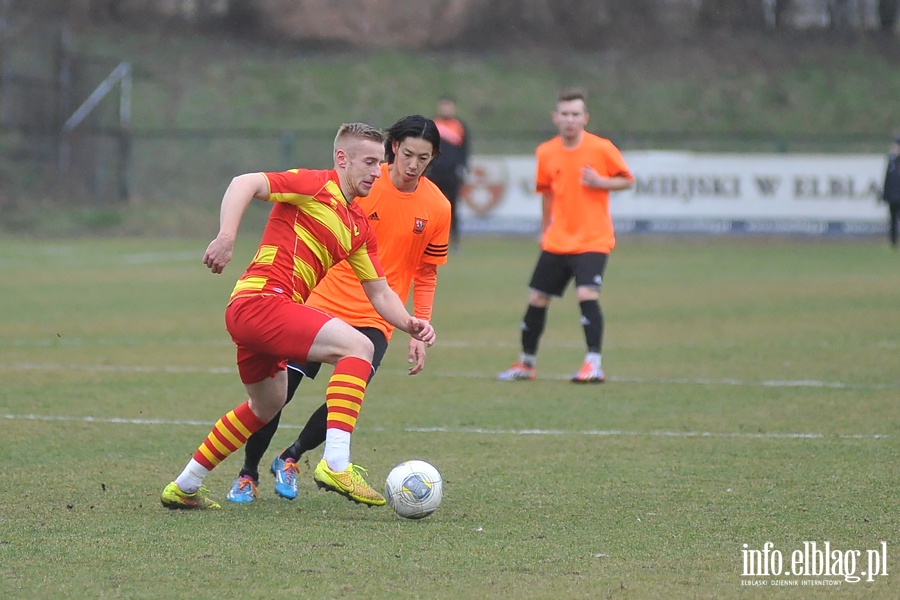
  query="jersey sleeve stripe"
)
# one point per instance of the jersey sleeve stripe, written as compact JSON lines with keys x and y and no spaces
{"x":291,"y":198}
{"x":362,"y":265}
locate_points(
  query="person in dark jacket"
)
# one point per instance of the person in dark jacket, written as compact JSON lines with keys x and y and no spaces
{"x":448,"y":170}
{"x":891,"y":193}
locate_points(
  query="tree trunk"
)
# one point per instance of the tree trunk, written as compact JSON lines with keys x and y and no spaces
{"x":731,"y":14}
{"x":888,"y":11}
{"x":780,"y":12}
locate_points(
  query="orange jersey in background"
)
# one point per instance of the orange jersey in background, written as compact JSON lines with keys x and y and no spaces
{"x":579,"y":216}
{"x":452,"y":131}
{"x":411,"y":229}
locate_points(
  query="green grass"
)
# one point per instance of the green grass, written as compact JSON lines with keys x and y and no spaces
{"x":755,"y":83}
{"x":752,"y":398}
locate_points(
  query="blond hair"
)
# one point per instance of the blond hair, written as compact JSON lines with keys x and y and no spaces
{"x":356,"y":131}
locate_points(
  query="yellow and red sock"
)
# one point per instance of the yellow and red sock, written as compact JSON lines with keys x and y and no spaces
{"x":227,"y":435}
{"x":345,"y":392}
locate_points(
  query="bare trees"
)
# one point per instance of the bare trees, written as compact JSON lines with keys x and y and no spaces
{"x":484,"y":23}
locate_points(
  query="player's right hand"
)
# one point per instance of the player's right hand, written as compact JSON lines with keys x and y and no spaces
{"x":591,"y":178}
{"x":218,"y":253}
{"x":416,"y":356}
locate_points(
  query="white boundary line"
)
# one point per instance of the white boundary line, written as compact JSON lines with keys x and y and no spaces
{"x":777,"y":383}
{"x":484,"y":431}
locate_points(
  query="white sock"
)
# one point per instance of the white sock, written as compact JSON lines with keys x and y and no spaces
{"x":192,"y":477}
{"x":529,"y":360}
{"x":593,"y":358}
{"x":337,"y":449}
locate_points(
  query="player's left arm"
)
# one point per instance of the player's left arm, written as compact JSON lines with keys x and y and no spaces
{"x":424,"y":284}
{"x":615,"y":177}
{"x":592,"y":179}
{"x":388,"y":304}
{"x":365,"y":264}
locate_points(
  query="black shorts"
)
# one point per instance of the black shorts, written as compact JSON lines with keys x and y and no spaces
{"x":554,"y":271}
{"x":374,"y":334}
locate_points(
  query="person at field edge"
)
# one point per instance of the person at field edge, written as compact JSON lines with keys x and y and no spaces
{"x":891,"y":193}
{"x":411,"y":218}
{"x":313,"y":225}
{"x":448,"y":169}
{"x":576,"y":170}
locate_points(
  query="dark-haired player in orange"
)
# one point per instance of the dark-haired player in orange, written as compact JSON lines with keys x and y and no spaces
{"x":576,"y":170}
{"x":313,"y":225}
{"x":412,"y":220}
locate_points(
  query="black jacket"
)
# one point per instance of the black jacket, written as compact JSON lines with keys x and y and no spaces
{"x":450,"y":165}
{"x":891,"y":193}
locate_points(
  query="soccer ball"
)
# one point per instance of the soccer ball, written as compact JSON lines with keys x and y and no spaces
{"x":414,"y":489}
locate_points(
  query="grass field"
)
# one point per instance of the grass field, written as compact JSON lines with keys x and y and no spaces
{"x":752,"y":397}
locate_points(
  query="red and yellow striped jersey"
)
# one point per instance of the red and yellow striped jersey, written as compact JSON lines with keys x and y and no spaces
{"x":311,"y":228}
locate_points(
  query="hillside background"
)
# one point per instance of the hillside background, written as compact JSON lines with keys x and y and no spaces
{"x":216,"y":88}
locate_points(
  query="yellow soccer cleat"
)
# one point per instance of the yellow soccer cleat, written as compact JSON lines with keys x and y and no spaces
{"x":173,"y":497}
{"x":349,"y":483}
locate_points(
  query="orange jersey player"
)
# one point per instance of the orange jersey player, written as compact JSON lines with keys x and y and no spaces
{"x":313,"y":225}
{"x":576,"y":170}
{"x":411,"y":218}
{"x":412,"y":228}
{"x":576,"y":216}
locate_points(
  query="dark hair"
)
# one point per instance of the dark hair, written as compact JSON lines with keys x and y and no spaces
{"x":572,"y":94}
{"x":414,"y":126}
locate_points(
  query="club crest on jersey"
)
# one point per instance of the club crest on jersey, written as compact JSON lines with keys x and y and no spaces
{"x":419,"y":226}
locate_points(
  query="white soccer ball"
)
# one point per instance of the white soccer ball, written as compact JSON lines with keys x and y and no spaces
{"x":414,"y":489}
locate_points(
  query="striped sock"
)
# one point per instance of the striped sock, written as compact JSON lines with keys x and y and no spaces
{"x":344,"y":397}
{"x":227,"y":435}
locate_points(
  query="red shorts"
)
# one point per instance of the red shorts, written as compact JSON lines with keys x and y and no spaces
{"x":269,"y":331}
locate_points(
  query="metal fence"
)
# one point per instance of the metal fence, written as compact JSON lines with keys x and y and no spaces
{"x":108,"y":166}
{"x":104,"y":162}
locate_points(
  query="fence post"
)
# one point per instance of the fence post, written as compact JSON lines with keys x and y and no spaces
{"x":125,"y":85}
{"x":5,"y":69}
{"x":63,"y":96}
{"x":288,"y":144}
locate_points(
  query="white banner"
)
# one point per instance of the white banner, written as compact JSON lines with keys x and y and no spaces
{"x":674,"y":192}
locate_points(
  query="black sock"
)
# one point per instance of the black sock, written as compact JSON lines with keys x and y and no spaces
{"x":256,"y":446}
{"x":294,"y":379}
{"x":312,"y":435}
{"x":592,"y":321}
{"x":532,"y":328}
{"x":259,"y":442}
